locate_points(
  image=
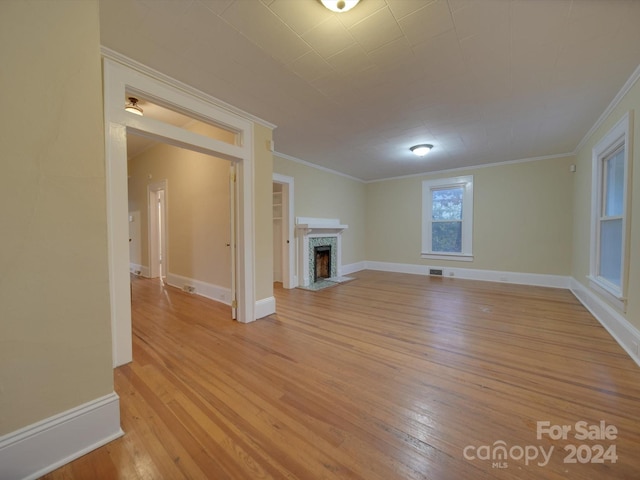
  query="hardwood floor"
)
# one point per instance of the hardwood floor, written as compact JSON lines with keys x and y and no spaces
{"x":389,"y":376}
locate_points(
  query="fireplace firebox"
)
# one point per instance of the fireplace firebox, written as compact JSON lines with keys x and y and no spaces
{"x":322,"y":255}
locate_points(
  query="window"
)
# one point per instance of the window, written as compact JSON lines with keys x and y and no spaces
{"x":447,"y":218}
{"x":609,"y":213}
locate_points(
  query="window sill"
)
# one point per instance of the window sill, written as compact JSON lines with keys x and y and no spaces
{"x":614,"y":298}
{"x":448,"y":256}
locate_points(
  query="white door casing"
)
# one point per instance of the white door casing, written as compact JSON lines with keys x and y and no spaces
{"x":119,"y":80}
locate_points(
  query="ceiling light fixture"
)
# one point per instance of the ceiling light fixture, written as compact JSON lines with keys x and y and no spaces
{"x":421,"y":150}
{"x":133,"y":106}
{"x":339,"y":6}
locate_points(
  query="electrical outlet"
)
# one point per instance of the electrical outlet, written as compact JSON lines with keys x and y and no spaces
{"x":189,"y":289}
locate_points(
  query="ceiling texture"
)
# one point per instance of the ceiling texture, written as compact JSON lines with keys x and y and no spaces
{"x":484,"y":81}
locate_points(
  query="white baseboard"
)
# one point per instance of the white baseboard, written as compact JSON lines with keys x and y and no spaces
{"x":353,"y":268}
{"x":38,"y":449}
{"x":627,"y":336}
{"x":555,"y":281}
{"x":139,"y":270}
{"x":265,"y":307}
{"x":397,"y":267}
{"x":208,"y":290}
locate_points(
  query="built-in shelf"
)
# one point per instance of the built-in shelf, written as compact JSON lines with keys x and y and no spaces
{"x":277,"y":205}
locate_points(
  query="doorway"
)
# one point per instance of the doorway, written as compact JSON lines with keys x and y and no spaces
{"x":119,"y":81}
{"x":284,"y":253}
{"x":186,"y":233}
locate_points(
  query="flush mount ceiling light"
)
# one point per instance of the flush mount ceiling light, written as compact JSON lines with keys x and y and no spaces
{"x":421,"y":150}
{"x":339,"y":6}
{"x":133,"y":106}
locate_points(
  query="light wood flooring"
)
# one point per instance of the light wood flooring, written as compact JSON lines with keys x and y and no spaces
{"x":389,"y":376}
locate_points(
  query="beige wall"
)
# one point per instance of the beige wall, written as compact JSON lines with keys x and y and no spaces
{"x":327,"y":195}
{"x":198,"y":216}
{"x":582,"y":205}
{"x":522,"y":218}
{"x":55,"y":338}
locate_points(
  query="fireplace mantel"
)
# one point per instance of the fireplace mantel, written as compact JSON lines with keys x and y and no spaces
{"x":308,"y":228}
{"x":309,"y":225}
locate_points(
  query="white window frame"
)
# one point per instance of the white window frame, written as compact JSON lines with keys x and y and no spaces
{"x":466,"y":182}
{"x":618,"y":136}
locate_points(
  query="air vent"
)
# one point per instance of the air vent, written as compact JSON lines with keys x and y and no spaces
{"x":435,"y":271}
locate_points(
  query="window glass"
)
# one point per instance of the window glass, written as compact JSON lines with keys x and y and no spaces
{"x":614,"y":185}
{"x":610,"y":251}
{"x":446,"y":237}
{"x":446,"y":204}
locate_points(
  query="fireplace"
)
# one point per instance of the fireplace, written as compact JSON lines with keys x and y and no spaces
{"x":322,"y":256}
{"x":319,"y":249}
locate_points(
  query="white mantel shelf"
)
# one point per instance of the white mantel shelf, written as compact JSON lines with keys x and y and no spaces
{"x":308,"y":225}
{"x":308,"y":228}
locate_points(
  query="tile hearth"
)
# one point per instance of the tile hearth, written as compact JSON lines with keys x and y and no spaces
{"x":326,"y":283}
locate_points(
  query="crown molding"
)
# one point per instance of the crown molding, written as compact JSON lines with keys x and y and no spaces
{"x":317,"y":167}
{"x":607,"y":111}
{"x":474,"y":167}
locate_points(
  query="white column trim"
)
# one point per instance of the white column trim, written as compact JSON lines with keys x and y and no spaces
{"x":265,"y":307}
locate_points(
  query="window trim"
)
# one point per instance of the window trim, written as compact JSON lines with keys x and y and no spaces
{"x":618,"y":136}
{"x":466,"y":182}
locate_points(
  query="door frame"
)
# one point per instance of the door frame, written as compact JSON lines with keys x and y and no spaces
{"x":122,"y":76}
{"x":289,"y":277}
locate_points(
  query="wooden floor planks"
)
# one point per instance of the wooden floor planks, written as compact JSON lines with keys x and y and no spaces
{"x":389,"y":376}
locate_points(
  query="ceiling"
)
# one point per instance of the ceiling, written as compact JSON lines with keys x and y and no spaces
{"x":484,"y":81}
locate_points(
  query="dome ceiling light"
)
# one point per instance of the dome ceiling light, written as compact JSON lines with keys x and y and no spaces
{"x":133,"y":106}
{"x":422,"y":149}
{"x":339,"y":6}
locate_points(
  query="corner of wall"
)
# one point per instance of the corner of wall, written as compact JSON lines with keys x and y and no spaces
{"x":627,"y":336}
